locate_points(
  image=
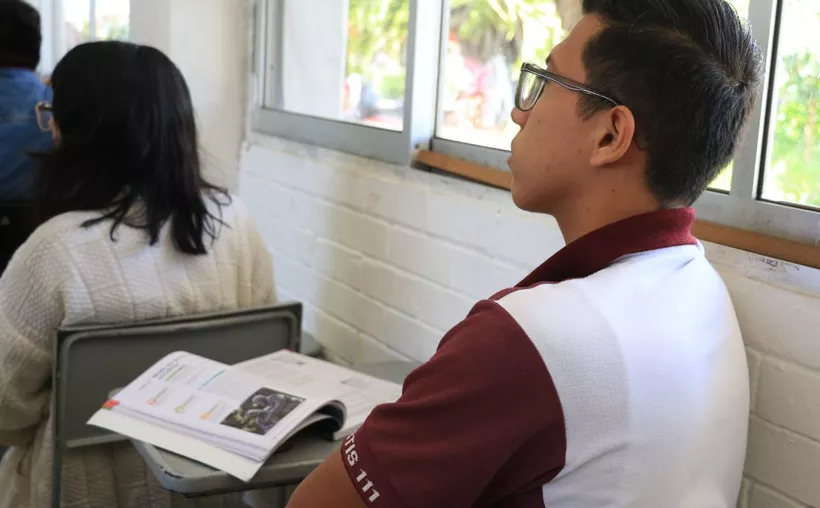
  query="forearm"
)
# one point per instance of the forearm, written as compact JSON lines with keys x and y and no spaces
{"x":327,"y":486}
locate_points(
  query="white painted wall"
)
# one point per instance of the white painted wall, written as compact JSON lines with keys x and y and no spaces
{"x":387,"y":258}
{"x":150,"y":23}
{"x":208,"y":40}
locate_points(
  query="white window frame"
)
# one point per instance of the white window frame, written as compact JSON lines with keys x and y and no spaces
{"x":743,"y":207}
{"x":391,"y":146}
{"x":53,"y":28}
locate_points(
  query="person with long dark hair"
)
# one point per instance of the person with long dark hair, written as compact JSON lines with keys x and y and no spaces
{"x":129,"y":230}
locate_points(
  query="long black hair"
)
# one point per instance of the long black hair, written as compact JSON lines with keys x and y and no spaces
{"x":128,"y":146}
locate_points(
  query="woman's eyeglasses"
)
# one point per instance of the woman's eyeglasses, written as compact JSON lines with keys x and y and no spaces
{"x":45,"y":115}
{"x":531,"y":85}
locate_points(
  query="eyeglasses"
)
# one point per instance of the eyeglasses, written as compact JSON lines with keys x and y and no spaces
{"x":531,"y":85}
{"x":45,"y":114}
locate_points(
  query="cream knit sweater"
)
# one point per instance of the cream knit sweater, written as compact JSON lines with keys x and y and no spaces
{"x":68,"y":275}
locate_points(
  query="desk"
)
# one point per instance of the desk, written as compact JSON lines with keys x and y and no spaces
{"x":294,"y":462}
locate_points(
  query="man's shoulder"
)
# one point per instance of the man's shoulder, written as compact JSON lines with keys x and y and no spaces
{"x":480,"y":405}
{"x":519,"y":318}
{"x":554,"y":313}
{"x":20,"y":98}
{"x":488,"y":329}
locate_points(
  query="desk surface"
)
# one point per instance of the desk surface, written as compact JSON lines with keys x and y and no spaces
{"x":288,"y":466}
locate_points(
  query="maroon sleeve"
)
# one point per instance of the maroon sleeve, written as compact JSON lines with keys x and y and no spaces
{"x":481,"y":421}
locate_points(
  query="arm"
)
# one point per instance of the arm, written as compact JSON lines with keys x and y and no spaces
{"x":30,"y":312}
{"x":480,"y":421}
{"x":328,"y":485}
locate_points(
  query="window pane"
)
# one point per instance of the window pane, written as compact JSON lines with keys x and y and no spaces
{"x":347,"y":64}
{"x":793,"y":170}
{"x":724,"y":180}
{"x":112,"y":19}
{"x":488,"y":40}
{"x":77,"y":25}
{"x":742,"y":7}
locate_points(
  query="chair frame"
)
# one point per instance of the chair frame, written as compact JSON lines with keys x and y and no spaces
{"x":162,"y":332}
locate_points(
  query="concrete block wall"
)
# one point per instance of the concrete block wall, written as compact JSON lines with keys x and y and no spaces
{"x":387,"y":258}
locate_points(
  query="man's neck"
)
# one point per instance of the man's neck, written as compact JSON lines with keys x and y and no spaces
{"x":586,"y":216}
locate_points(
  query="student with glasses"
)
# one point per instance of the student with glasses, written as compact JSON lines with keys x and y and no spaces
{"x":614,"y":375}
{"x":129,"y":231}
{"x":20,"y":89}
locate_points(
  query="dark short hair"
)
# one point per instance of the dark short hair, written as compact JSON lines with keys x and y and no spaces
{"x":128,"y":146}
{"x":690,"y":71}
{"x":20,"y":37}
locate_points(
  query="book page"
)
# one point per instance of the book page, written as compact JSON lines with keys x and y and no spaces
{"x":359,"y":393}
{"x":232,"y":463}
{"x":215,"y":403}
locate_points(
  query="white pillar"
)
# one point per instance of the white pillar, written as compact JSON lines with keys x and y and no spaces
{"x":207,"y":40}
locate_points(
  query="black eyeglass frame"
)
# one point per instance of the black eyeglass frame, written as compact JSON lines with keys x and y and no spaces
{"x":567,"y":83}
{"x":531,"y":68}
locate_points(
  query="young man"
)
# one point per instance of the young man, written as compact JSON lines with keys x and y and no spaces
{"x":20,"y":91}
{"x":614,"y":375}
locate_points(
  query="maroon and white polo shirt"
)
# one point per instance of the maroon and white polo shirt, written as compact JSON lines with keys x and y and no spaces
{"x":612,"y":376}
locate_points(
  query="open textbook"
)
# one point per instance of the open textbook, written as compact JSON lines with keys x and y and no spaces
{"x":233,"y":418}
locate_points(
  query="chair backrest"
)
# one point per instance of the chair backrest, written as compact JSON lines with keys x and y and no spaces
{"x":89,"y":363}
{"x":15,"y":227}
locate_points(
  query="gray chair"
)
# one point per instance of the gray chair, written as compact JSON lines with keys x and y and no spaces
{"x":91,"y":362}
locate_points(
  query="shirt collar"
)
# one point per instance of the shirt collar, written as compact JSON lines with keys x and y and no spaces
{"x":598,"y":249}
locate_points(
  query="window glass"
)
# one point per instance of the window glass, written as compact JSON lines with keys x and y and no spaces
{"x":793,"y":171}
{"x":112,"y":19}
{"x":350,"y":65}
{"x":77,"y":15}
{"x":487,"y":42}
{"x":724,"y":180}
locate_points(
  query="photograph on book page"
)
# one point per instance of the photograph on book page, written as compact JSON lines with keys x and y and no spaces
{"x":260,"y":412}
{"x":359,"y":392}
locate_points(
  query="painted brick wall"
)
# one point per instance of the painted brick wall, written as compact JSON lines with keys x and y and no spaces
{"x":386,"y":259}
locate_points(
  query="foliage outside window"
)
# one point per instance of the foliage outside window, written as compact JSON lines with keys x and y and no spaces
{"x":479,"y":53}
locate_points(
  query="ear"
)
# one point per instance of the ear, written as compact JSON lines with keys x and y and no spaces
{"x":613,"y":136}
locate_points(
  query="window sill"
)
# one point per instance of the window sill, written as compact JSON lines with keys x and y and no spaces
{"x":750,"y":241}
